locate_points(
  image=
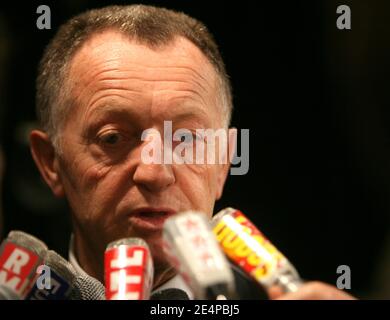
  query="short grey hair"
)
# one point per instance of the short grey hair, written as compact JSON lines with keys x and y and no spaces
{"x":147,"y":24}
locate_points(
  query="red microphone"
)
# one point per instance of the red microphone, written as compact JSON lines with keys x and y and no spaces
{"x":128,"y":270}
{"x":20,"y":256}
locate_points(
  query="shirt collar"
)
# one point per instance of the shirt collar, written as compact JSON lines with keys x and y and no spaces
{"x":176,"y":282}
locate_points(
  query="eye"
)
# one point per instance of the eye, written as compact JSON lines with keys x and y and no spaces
{"x":189,"y":137}
{"x":110,"y":138}
{"x":186,"y":137}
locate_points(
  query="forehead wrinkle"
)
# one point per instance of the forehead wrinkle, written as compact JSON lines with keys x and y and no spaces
{"x":137,"y":97}
{"x":115,"y":81}
{"x":97,"y":48}
{"x":139,"y":68}
{"x":184,"y":103}
{"x":175,"y":109}
{"x":180,"y":48}
{"x":111,"y":95}
{"x":183,"y":94}
{"x":123,"y":90}
{"x":121,"y":62}
{"x":111,"y":108}
{"x":112,"y":71}
{"x":168,"y":77}
{"x":194,"y":75}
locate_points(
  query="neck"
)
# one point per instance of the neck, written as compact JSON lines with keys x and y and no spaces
{"x":89,"y":261}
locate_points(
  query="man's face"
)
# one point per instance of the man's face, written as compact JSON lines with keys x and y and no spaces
{"x":121,"y":88}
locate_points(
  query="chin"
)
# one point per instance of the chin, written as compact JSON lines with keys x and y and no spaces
{"x":160,"y":260}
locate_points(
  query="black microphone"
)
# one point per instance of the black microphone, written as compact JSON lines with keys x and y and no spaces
{"x":66,"y":283}
{"x":87,"y":288}
{"x":170,"y":294}
{"x":74,"y":286}
{"x":70,"y":284}
{"x":59,"y":282}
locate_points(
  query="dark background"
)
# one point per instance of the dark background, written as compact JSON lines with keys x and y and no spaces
{"x":316,"y":102}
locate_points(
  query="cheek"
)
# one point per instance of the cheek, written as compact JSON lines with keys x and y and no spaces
{"x":87,"y":186}
{"x":94,"y":175}
{"x":84,"y":173}
{"x":198,"y":182}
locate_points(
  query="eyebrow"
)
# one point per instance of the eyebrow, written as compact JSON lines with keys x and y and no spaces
{"x":190,"y":114}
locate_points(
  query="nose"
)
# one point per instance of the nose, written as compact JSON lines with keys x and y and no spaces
{"x":154,"y":177}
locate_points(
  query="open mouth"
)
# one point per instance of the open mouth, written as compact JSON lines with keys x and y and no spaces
{"x":150,"y":218}
{"x":152,"y":214}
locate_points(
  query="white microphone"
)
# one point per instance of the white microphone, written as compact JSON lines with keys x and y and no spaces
{"x":193,"y":250}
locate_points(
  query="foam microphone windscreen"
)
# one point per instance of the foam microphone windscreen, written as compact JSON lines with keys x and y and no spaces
{"x":87,"y":288}
{"x":20,"y":256}
{"x":61,"y":277}
{"x":7,"y":293}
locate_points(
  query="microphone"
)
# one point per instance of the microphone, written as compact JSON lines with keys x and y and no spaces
{"x":87,"y":288}
{"x":7,"y":293}
{"x":246,"y":246}
{"x":68,"y":284}
{"x":128,"y":269}
{"x":193,"y":251}
{"x":59,"y":281}
{"x":170,"y":294}
{"x":20,"y":255}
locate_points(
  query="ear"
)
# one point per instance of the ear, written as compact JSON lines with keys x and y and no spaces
{"x":223,"y":170}
{"x":46,"y":160}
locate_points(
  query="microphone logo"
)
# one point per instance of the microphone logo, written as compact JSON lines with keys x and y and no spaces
{"x":127,"y":272}
{"x":16,"y":264}
{"x":193,"y":251}
{"x":245,"y":245}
